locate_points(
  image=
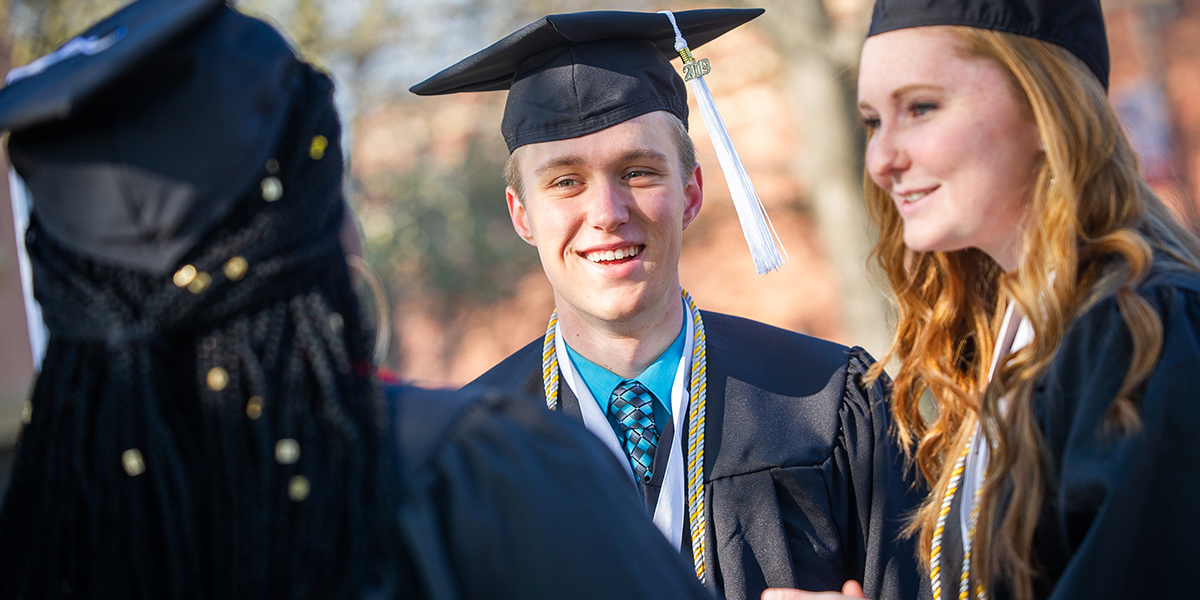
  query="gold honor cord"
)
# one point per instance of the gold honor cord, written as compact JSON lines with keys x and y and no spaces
{"x":935,"y":551}
{"x":695,"y":454}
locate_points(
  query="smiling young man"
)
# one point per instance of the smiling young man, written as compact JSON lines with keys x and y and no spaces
{"x":787,"y":476}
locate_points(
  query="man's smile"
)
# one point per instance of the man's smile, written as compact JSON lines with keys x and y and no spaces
{"x":618,"y":254}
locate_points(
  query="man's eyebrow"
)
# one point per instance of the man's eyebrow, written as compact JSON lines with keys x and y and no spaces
{"x":644,"y":154}
{"x":571,"y":160}
{"x":566,"y":160}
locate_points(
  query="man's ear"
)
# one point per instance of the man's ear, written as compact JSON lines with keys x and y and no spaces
{"x":520,"y":218}
{"x":693,"y":195}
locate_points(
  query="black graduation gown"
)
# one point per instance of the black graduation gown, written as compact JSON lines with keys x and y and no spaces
{"x":1121,"y":518}
{"x":503,"y":500}
{"x":804,"y":486}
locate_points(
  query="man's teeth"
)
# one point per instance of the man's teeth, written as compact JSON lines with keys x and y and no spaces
{"x":618,"y":254}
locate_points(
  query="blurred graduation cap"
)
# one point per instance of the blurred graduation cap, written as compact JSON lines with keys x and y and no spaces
{"x":1077,"y":25}
{"x":138,"y":137}
{"x":570,"y":75}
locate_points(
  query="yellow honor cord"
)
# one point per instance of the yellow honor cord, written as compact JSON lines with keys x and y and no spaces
{"x":935,"y":550}
{"x":698,"y":394}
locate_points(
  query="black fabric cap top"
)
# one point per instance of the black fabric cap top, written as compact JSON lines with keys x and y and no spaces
{"x":573,"y":74}
{"x":137,"y":145}
{"x":1077,"y":25}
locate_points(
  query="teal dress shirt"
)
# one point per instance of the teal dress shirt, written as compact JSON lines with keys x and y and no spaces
{"x":659,"y":377}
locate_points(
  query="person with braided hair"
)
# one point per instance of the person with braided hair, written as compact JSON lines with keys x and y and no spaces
{"x":205,"y":423}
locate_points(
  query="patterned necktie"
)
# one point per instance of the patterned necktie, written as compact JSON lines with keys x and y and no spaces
{"x":632,"y":405}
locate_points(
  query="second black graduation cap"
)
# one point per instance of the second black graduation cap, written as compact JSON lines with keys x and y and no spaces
{"x":574,"y":74}
{"x":1077,"y":25}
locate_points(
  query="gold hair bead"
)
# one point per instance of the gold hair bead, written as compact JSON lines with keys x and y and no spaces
{"x":133,"y":462}
{"x":184,"y":276}
{"x":235,"y":268}
{"x":317,"y":149}
{"x":272,"y":189}
{"x":27,"y":413}
{"x":272,"y":166}
{"x":200,"y":282}
{"x":287,"y":451}
{"x":217,"y":379}
{"x":298,"y":488}
{"x":254,"y":407}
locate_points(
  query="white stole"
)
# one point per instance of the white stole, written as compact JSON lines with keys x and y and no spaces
{"x":1015,"y":333}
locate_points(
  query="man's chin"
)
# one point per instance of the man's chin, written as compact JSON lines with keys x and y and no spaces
{"x":615,"y":311}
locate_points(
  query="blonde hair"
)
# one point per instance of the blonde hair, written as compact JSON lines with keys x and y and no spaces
{"x":1093,"y":229}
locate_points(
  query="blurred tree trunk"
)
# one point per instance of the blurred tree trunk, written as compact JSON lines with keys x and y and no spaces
{"x":821,"y":59}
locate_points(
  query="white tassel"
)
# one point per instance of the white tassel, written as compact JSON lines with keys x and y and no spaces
{"x":765,"y":246}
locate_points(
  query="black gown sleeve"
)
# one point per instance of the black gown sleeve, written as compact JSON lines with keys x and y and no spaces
{"x":1122,"y":517}
{"x":884,"y":490}
{"x":507,"y":500}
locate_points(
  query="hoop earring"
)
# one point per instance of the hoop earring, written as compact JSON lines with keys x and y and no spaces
{"x":383,"y":328}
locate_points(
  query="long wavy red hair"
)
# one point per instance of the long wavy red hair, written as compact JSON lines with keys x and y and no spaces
{"x":1093,"y":230}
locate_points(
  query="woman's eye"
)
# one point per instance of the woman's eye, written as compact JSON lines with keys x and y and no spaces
{"x":921,"y":108}
{"x":871,"y":123}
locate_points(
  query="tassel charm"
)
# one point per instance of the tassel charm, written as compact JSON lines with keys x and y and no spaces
{"x":765,"y":246}
{"x":695,"y":69}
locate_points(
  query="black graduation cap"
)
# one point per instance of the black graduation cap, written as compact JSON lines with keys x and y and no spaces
{"x":1077,"y":25}
{"x":574,"y":74}
{"x":139,"y":136}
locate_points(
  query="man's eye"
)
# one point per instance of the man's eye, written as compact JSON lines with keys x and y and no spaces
{"x":562,"y":183}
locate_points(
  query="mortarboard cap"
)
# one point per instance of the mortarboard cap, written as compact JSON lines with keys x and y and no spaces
{"x":1076,"y":25}
{"x":139,"y":136}
{"x":574,"y":74}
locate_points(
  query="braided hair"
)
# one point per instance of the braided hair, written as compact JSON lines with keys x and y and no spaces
{"x":215,"y":433}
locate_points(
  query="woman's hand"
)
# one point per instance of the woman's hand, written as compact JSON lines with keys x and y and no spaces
{"x":850,"y":590}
